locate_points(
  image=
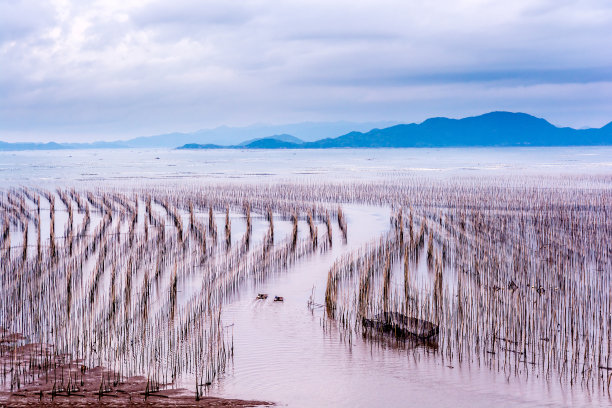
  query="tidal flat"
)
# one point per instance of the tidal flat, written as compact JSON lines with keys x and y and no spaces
{"x":137,"y":276}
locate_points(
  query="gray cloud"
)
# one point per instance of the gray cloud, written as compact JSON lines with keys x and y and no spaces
{"x":108,"y":69}
{"x":519,"y":77}
{"x":21,"y":18}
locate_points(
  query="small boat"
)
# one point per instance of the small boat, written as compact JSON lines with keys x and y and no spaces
{"x":278,"y":299}
{"x":402,"y":325}
{"x":262,"y":296}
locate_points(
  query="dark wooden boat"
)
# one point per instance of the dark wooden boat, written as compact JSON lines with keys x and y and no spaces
{"x":402,"y":326}
{"x":262,"y":296}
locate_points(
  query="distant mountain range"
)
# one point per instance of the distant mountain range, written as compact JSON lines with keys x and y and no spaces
{"x":223,"y":135}
{"x":270,"y":142}
{"x":280,"y":138}
{"x":490,"y":129}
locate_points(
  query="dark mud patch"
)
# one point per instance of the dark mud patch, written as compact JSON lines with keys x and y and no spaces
{"x":33,"y":375}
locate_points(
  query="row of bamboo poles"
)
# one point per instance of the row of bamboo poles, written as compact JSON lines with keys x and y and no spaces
{"x":132,"y":281}
{"x":519,"y":282}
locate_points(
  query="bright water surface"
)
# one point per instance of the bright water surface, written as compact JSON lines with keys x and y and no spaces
{"x":141,"y":165}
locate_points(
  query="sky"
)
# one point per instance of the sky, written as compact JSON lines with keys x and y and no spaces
{"x":115,"y":69}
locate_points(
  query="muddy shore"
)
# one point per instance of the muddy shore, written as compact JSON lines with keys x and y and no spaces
{"x":32,"y":375}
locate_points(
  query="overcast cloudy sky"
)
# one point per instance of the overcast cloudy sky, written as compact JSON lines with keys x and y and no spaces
{"x":114,"y":69}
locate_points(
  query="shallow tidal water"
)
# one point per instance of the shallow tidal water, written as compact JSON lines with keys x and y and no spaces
{"x":287,"y":352}
{"x":283,"y":354}
{"x":155,"y":165}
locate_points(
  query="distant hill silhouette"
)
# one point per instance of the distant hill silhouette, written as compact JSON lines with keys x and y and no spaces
{"x":271,"y":142}
{"x":228,"y":135}
{"x":490,"y":129}
{"x":201,"y":146}
{"x":270,"y":139}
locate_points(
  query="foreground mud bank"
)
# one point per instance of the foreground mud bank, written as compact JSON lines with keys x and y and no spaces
{"x":33,"y":376}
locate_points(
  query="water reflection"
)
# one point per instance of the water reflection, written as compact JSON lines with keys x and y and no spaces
{"x":293,"y":355}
